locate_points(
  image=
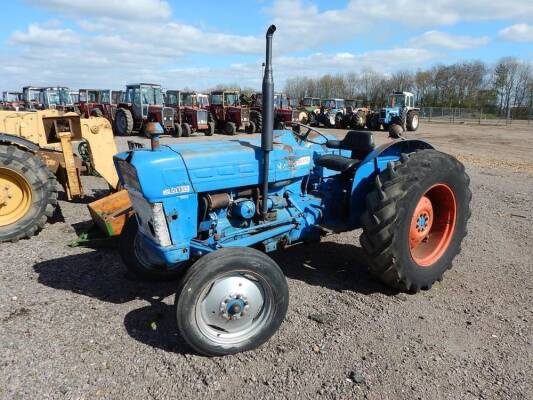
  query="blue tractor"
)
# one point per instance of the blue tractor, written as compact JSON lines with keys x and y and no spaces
{"x":399,"y":115}
{"x":332,"y":112}
{"x":204,"y":210}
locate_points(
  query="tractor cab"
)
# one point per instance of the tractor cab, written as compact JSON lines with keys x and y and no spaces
{"x":400,"y":110}
{"x":30,"y":97}
{"x":12,"y":99}
{"x":89,"y":96}
{"x":57,"y":98}
{"x":353,"y":105}
{"x":96,"y":103}
{"x":311,"y":102}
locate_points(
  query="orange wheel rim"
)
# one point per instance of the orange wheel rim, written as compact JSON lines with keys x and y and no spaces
{"x":432,"y":225}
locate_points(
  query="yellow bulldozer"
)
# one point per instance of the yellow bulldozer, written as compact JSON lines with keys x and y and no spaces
{"x":37,"y":152}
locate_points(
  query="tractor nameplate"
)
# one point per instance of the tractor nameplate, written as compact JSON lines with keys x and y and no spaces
{"x":176,"y":190}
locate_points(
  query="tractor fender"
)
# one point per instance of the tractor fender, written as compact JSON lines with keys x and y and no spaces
{"x":6,"y":138}
{"x":373,"y":164}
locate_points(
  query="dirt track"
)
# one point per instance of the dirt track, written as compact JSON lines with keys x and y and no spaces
{"x":74,"y":325}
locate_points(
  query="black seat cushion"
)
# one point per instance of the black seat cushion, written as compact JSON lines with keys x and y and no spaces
{"x":360,"y":143}
{"x":337,"y":163}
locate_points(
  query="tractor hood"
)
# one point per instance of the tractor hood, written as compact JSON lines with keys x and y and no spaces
{"x":207,"y":165}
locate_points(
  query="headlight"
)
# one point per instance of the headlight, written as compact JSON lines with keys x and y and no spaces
{"x":151,"y":218}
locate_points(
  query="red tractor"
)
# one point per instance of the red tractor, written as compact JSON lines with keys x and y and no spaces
{"x":142,"y":103}
{"x":97,"y":103}
{"x":284,"y":114}
{"x":191,"y":114}
{"x":12,"y":100}
{"x":228,"y":113}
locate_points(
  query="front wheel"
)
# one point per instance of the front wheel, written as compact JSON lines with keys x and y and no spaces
{"x":138,"y":261}
{"x":416,"y":219}
{"x":250,"y":128}
{"x":230,"y":301}
{"x":230,"y":128}
{"x":186,"y":129}
{"x":412,"y":121}
{"x":211,"y":129}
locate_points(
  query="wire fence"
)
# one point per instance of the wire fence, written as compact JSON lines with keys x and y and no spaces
{"x":454,"y":115}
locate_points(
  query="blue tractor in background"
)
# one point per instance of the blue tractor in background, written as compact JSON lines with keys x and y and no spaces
{"x":204,"y":210}
{"x":398,"y":116}
{"x":332,"y":112}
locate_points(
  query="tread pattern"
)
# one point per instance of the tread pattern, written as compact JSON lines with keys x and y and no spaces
{"x":44,"y":192}
{"x":384,"y":208}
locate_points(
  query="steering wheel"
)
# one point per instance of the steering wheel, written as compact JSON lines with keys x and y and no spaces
{"x":304,"y":137}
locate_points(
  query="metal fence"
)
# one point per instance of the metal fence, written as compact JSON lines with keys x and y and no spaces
{"x":453,"y":115}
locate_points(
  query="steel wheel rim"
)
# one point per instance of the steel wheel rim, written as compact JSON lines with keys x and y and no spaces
{"x":15,"y":196}
{"x":432,"y":225}
{"x":234,"y":307}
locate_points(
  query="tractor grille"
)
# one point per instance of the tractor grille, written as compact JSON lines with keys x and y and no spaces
{"x":168,"y":117}
{"x":202,"y":117}
{"x":245,"y":114}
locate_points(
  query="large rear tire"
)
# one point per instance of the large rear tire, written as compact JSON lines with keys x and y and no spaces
{"x":123,"y":123}
{"x":230,"y":128}
{"x":372,"y":122}
{"x":416,"y":219}
{"x":257,"y":117}
{"x":136,"y":260}
{"x":231,"y":300}
{"x":28,"y":194}
{"x":413,"y":121}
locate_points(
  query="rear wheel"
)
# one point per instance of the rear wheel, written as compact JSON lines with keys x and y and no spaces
{"x":137,"y":261}
{"x":28,"y":193}
{"x":231,"y":300}
{"x":123,"y":124}
{"x":230,"y":128}
{"x":186,"y":129}
{"x":416,"y":219}
{"x":412,"y":121}
{"x":372,"y":122}
{"x":257,"y":118}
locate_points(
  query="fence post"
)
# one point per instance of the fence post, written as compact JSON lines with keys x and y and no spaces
{"x":480,"y":115}
{"x":430,"y":112}
{"x":453,"y":115}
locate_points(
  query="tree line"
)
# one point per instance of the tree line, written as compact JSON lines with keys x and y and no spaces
{"x":502,"y":89}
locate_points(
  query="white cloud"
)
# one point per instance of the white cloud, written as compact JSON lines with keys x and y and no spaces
{"x":120,"y":9}
{"x":517,"y":33}
{"x":447,"y":40}
{"x":38,"y":36}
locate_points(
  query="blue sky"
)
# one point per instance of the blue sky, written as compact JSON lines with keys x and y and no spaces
{"x":108,"y":43}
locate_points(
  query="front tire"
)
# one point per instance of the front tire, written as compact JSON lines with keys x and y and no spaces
{"x":96,"y":112}
{"x":250,"y":128}
{"x":416,"y":219}
{"x":136,"y":261}
{"x":186,"y":130}
{"x":230,"y":128}
{"x":28,"y":194}
{"x":230,"y":301}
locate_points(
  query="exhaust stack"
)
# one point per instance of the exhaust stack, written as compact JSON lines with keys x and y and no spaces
{"x":268,"y":116}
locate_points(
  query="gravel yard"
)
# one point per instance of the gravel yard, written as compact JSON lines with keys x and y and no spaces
{"x":74,"y":325}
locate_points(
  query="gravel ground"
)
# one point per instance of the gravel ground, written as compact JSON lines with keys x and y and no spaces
{"x":74,"y":325}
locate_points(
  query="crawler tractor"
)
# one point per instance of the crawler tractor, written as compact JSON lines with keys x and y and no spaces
{"x":143,"y":103}
{"x":191,"y":114}
{"x":36,"y":152}
{"x":228,"y":113}
{"x":206,"y":208}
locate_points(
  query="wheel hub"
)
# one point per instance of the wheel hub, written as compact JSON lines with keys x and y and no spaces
{"x":234,"y":306}
{"x":15,"y":196}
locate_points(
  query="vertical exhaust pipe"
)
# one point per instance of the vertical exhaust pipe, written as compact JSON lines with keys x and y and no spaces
{"x":268,"y":117}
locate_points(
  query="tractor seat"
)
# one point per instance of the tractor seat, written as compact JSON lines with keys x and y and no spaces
{"x":360,"y":143}
{"x":337,"y":163}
